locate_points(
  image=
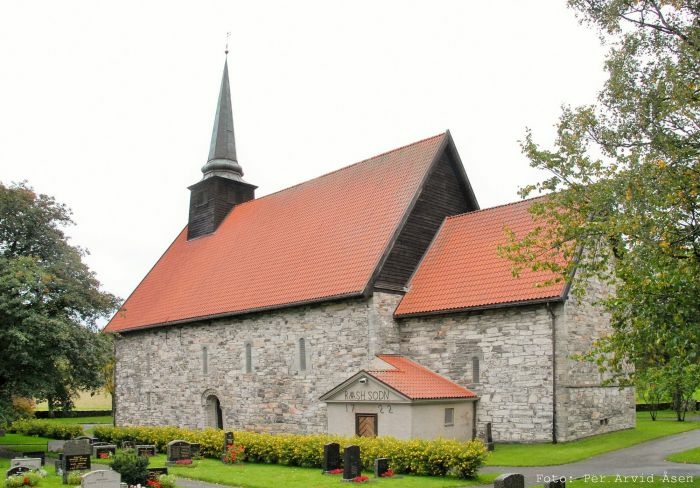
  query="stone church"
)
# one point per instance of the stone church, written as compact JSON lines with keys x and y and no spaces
{"x":370,"y":301}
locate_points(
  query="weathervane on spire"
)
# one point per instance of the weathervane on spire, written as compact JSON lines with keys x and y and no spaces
{"x":228,"y":35}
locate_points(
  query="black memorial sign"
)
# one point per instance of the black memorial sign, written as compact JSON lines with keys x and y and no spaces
{"x":381,"y":466}
{"x":331,"y":457}
{"x":351,"y":462}
{"x":146,"y":450}
{"x":17,"y":470}
{"x":179,"y":450}
{"x":154,"y":473}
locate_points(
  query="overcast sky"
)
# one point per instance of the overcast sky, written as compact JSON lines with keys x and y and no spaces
{"x":109,"y":106}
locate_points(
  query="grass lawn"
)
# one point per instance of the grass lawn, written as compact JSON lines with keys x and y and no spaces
{"x":99,"y":401}
{"x":568,"y":452}
{"x":269,"y":475}
{"x":19,"y":443}
{"x":691,"y":456}
{"x":104,"y":419}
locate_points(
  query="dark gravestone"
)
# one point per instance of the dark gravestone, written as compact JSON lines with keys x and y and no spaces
{"x":351,"y":462}
{"x":228,"y":440}
{"x":489,"y":437}
{"x":146,"y":450}
{"x":76,"y":456}
{"x":104,"y":451}
{"x":509,"y":480}
{"x":179,"y":450}
{"x":85,"y":438}
{"x":195,"y":449}
{"x":331,"y":457}
{"x":16,"y":470}
{"x":560,"y":483}
{"x":153,"y":473}
{"x":381,"y":466}
{"x":36,"y":454}
{"x":128,"y":445}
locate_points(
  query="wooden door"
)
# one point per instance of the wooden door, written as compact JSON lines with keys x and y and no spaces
{"x":366,"y":424}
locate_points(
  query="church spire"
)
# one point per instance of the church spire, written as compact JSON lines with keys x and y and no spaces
{"x":222,"y":159}
{"x":221,"y":187}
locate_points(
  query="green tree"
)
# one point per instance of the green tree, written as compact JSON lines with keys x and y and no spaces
{"x":49,"y":304}
{"x":624,"y":188}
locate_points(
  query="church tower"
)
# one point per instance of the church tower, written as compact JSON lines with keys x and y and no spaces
{"x":222,"y":185}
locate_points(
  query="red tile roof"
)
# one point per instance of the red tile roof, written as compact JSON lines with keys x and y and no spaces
{"x":462,"y":270}
{"x":321,"y":239}
{"x":417,"y":382}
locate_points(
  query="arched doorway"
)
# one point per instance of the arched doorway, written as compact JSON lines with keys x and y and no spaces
{"x":215,"y":417}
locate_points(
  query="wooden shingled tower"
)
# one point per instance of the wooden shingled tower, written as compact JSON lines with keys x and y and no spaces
{"x":222,"y":185}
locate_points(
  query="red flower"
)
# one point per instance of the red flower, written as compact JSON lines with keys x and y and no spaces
{"x":360,"y":479}
{"x":183,"y":461}
{"x":154,"y":483}
{"x":387,"y":474}
{"x":336,"y":471}
{"x":26,"y":481}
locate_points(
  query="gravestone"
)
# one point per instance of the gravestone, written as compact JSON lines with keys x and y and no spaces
{"x":104,"y":478}
{"x":153,"y":473}
{"x":381,"y":466}
{"x":84,"y":438}
{"x":194,"y":447}
{"x":179,"y":450}
{"x":146,"y":450}
{"x":351,"y":462}
{"x":128,"y":445}
{"x":16,"y":470}
{"x":104,"y":451}
{"x":228,"y":440}
{"x":56,"y":446}
{"x":489,"y":437}
{"x":509,"y":480}
{"x":36,"y":454}
{"x":331,"y":457}
{"x":76,"y":457}
{"x":30,"y":463}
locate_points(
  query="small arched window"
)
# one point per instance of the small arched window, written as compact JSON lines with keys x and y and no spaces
{"x":302,"y":354}
{"x":248,"y":357}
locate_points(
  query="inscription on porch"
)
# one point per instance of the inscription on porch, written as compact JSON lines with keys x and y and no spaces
{"x":367,"y":395}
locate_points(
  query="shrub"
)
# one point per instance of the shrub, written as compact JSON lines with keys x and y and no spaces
{"x":23,"y":407}
{"x":24,"y":479}
{"x":43,"y":428}
{"x":75,"y":478}
{"x":167,"y":481}
{"x":131,"y":466}
{"x":422,"y":457}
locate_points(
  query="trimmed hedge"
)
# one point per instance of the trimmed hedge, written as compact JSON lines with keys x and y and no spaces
{"x":43,"y":428}
{"x":421,"y":457}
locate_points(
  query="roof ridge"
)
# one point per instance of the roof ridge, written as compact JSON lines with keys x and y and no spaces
{"x":343,"y":168}
{"x":481,"y":210}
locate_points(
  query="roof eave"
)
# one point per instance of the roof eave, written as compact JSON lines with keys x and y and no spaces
{"x":238,"y":313}
{"x":491,"y":306}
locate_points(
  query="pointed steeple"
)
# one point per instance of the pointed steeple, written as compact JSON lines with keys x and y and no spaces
{"x":222,"y":186}
{"x":222,"y":159}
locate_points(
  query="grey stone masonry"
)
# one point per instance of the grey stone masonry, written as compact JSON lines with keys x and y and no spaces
{"x":266,"y":371}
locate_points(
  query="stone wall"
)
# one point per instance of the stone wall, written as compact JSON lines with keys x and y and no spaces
{"x":514,"y":349}
{"x":162,"y":378}
{"x":585,"y":404}
{"x":166,"y":376}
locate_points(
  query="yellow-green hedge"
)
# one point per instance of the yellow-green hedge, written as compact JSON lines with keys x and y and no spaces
{"x":423,"y":457}
{"x":44,"y":428}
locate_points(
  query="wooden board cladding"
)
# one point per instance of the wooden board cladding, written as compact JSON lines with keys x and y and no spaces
{"x":444,"y":194}
{"x":211,"y":200}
